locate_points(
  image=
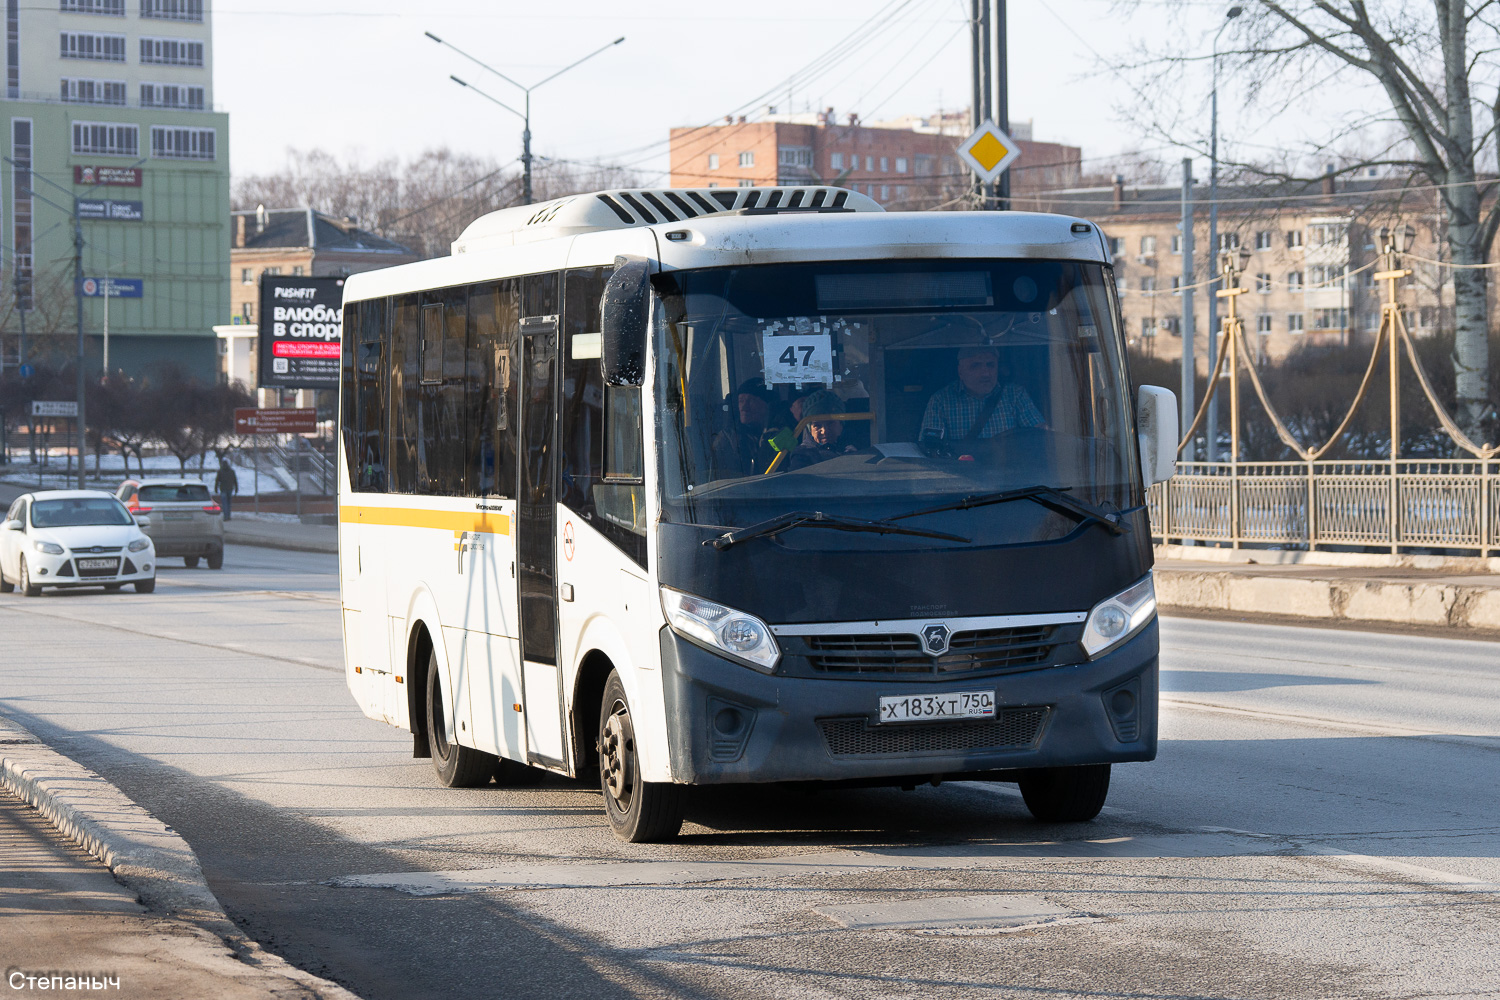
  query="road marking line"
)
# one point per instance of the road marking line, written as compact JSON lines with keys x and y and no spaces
{"x":1374,"y":729}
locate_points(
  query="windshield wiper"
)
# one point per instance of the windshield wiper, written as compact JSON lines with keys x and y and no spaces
{"x":1048,"y":496}
{"x":817,"y":519}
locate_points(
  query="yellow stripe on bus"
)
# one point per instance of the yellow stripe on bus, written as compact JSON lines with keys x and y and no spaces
{"x":486,"y":522}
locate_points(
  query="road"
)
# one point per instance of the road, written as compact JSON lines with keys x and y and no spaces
{"x":1322,"y":822}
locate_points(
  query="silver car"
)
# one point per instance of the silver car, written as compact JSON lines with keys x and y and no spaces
{"x":180,"y":516}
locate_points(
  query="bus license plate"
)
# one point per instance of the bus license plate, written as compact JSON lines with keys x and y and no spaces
{"x":98,"y":563}
{"x":935,"y":707}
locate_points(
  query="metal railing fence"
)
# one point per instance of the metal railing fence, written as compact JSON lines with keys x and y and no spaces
{"x":1398,"y":506}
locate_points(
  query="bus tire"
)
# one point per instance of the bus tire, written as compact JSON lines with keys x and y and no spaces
{"x":639,"y":812}
{"x":1066,"y":794}
{"x":457,"y":766}
{"x":513,"y":774}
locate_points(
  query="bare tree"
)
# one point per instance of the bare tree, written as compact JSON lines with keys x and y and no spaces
{"x":423,"y":203}
{"x":1427,"y":60}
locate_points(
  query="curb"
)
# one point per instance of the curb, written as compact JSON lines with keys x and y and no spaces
{"x":1456,"y":606}
{"x":143,"y":852}
{"x":288,"y":544}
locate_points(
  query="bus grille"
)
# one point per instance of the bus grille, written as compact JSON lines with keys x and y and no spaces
{"x":896,"y":653}
{"x":1011,"y":729}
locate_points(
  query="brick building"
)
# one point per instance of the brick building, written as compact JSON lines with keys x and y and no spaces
{"x":1301,"y":245}
{"x":906,"y":164}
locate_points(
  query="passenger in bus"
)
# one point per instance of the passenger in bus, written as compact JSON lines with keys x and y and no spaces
{"x":820,"y":438}
{"x":976,"y":405}
{"x":746,"y":449}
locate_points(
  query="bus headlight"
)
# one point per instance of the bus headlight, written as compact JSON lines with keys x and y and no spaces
{"x":740,"y":636}
{"x":1118,"y":618}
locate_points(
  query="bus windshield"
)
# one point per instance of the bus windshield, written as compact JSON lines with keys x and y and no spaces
{"x":867,"y":388}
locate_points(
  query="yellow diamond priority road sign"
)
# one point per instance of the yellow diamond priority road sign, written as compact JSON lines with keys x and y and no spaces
{"x":989,"y":152}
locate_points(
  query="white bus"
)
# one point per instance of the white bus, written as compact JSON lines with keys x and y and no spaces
{"x":687,"y":487}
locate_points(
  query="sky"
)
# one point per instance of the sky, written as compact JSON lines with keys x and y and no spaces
{"x":359,"y":79}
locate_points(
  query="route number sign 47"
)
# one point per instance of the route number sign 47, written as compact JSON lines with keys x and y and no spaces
{"x":800,"y":358}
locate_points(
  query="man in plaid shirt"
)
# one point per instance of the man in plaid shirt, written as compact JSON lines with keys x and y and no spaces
{"x":952,"y":410}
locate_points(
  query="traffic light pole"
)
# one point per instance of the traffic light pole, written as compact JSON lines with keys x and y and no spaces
{"x":81,"y":421}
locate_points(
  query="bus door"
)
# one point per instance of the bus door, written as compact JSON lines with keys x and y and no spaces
{"x":536,"y":536}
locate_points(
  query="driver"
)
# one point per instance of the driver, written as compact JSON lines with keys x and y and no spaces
{"x":976,"y":405}
{"x":820,"y":438}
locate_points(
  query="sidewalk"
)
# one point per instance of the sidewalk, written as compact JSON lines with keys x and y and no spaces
{"x":95,"y":889}
{"x":1453,"y":597}
{"x":280,"y":533}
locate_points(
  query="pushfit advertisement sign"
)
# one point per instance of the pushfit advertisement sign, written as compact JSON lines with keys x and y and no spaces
{"x":301,"y":331}
{"x":107,"y":176}
{"x":109,"y":210}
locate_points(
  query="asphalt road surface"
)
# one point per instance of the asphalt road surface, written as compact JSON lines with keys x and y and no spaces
{"x":1322,"y":822}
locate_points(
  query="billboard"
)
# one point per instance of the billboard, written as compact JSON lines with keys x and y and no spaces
{"x":115,"y":288}
{"x":301,"y":331}
{"x":95,"y":176}
{"x":109,"y":210}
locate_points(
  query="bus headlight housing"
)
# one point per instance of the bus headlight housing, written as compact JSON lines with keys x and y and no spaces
{"x":741,"y":637}
{"x":1119,"y":617}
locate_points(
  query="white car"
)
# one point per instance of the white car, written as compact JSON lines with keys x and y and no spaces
{"x":73,"y":538}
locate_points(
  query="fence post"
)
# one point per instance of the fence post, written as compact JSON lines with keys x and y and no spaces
{"x":1486,"y":522}
{"x":1312,"y":507}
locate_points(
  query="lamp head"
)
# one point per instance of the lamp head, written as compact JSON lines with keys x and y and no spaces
{"x":1233,"y":12}
{"x":435,"y":38}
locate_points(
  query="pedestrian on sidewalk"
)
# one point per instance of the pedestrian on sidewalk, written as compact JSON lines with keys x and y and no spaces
{"x":226,"y":485}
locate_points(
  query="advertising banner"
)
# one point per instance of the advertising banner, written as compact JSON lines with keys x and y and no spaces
{"x":301,"y":331}
{"x":274,"y":421}
{"x":109,"y":210}
{"x":107,"y":176}
{"x":54,"y":408}
{"x":117,"y":288}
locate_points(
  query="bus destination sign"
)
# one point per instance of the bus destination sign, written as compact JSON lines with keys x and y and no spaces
{"x":301,"y":331}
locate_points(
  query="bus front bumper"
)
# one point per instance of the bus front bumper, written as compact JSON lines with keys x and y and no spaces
{"x":727,"y":723}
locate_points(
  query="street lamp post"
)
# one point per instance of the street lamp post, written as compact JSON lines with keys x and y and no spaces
{"x":525,"y":116}
{"x":1212,"y":417}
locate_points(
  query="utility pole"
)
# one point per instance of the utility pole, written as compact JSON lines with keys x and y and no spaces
{"x":976,"y":108}
{"x":1212,"y":417}
{"x":1002,"y":96}
{"x":986,"y":87}
{"x":1189,"y":363}
{"x":81,"y":422}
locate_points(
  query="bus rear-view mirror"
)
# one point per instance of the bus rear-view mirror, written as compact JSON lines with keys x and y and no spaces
{"x":1156,"y":428}
{"x":627,"y":299}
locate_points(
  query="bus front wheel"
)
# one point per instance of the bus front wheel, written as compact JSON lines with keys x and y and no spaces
{"x":457,"y":766}
{"x":1066,"y":794}
{"x":639,"y":811}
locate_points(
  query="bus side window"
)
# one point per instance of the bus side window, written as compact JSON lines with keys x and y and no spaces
{"x":490,"y":389}
{"x":348,"y":411}
{"x":406,"y":345}
{"x":371,"y":375}
{"x":617,"y":510}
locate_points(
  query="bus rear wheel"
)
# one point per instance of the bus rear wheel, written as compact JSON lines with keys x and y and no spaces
{"x":457,"y":766}
{"x":1066,"y":794}
{"x":640,"y":812}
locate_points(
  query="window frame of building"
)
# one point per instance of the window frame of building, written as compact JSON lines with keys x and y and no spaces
{"x":102,"y":46}
{"x":1294,"y":281}
{"x":746,"y":182}
{"x":794,"y":156}
{"x":1263,"y":323}
{"x":1148,"y":326}
{"x":1296,"y":323}
{"x":297,"y":270}
{"x":1148,"y":246}
{"x":900,"y":164}
{"x":113,"y":130}
{"x":1293,"y":239}
{"x":101,"y":8}
{"x":195,"y":153}
{"x":247,"y":276}
{"x":71,"y":89}
{"x":1116,"y":245}
{"x":747,"y":158}
{"x":1172,"y":324}
{"x":1176,"y":244}
{"x":1325,"y":318}
{"x":1176,"y":284}
{"x":1263,"y":283}
{"x":885,"y":165}
{"x":1328,"y":234}
{"x":190,"y":11}
{"x":1148,"y":283}
{"x":869,"y":164}
{"x":1263,"y":239}
{"x":835,"y":161}
{"x":713,"y":161}
{"x":158,"y":50}
{"x":193,"y":96}
{"x":1228,"y":242}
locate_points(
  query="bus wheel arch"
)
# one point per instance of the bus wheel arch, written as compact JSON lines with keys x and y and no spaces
{"x":588,"y":696}
{"x":418,"y":653}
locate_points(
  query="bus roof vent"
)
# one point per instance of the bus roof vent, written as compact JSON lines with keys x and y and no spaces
{"x":622,"y":209}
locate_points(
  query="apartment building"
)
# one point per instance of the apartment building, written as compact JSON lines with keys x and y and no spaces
{"x":1311,"y":260}
{"x":908,"y":164}
{"x":108,"y":106}
{"x":290,"y":241}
